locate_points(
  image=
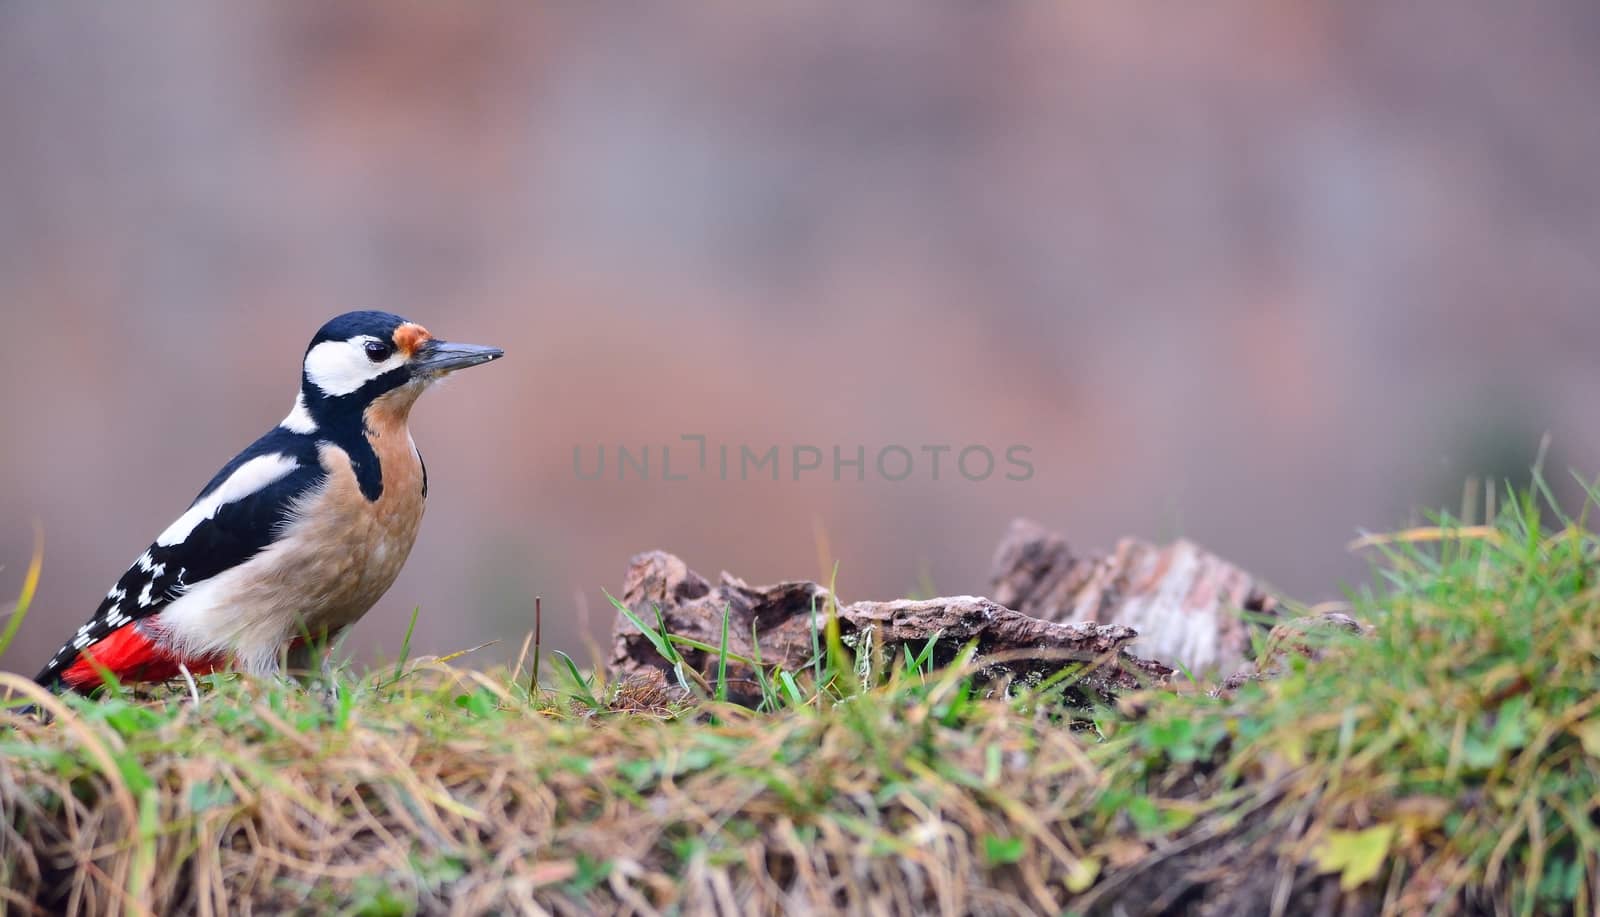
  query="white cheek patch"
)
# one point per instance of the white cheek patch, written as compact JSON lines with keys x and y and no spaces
{"x":340,"y":367}
{"x":247,"y":479}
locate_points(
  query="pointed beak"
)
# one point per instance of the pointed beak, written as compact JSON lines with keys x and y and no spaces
{"x":439,"y":357}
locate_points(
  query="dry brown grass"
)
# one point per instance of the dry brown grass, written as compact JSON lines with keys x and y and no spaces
{"x":413,"y":803}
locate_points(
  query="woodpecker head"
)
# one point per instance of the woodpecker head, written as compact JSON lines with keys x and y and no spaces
{"x":361,"y":357}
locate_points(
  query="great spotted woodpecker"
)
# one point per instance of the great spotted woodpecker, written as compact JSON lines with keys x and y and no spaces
{"x":297,"y":536}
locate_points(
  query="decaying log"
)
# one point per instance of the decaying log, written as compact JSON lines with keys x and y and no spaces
{"x":778,"y":625}
{"x":1185,"y":602}
{"x":1307,"y":637}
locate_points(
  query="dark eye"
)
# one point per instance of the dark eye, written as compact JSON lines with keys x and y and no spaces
{"x":378,"y":351}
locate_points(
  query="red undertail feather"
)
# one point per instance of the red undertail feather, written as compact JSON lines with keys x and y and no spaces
{"x":131,"y":656}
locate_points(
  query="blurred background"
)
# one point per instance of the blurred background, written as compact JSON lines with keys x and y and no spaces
{"x":1264,"y":275}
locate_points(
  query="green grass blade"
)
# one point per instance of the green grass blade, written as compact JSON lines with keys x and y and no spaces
{"x":722,"y":656}
{"x":580,"y":684}
{"x":657,"y":636}
{"x":405,"y":644}
{"x":30,"y":587}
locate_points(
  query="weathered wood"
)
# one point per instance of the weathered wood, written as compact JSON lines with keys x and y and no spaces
{"x":777,"y":624}
{"x":1311,"y":637}
{"x":1189,"y":606}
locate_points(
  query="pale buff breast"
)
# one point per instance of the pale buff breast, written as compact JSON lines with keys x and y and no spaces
{"x":332,"y":563}
{"x":354,"y":547}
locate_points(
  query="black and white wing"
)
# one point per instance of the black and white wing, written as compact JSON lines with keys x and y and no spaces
{"x":240,"y":512}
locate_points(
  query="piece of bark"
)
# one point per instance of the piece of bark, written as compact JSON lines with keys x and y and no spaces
{"x":1308,"y":637}
{"x":780,"y":624}
{"x":1184,"y":601}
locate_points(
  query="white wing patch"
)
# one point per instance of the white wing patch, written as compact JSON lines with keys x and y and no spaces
{"x":299,"y":419}
{"x":252,"y":476}
{"x":341,"y":367}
